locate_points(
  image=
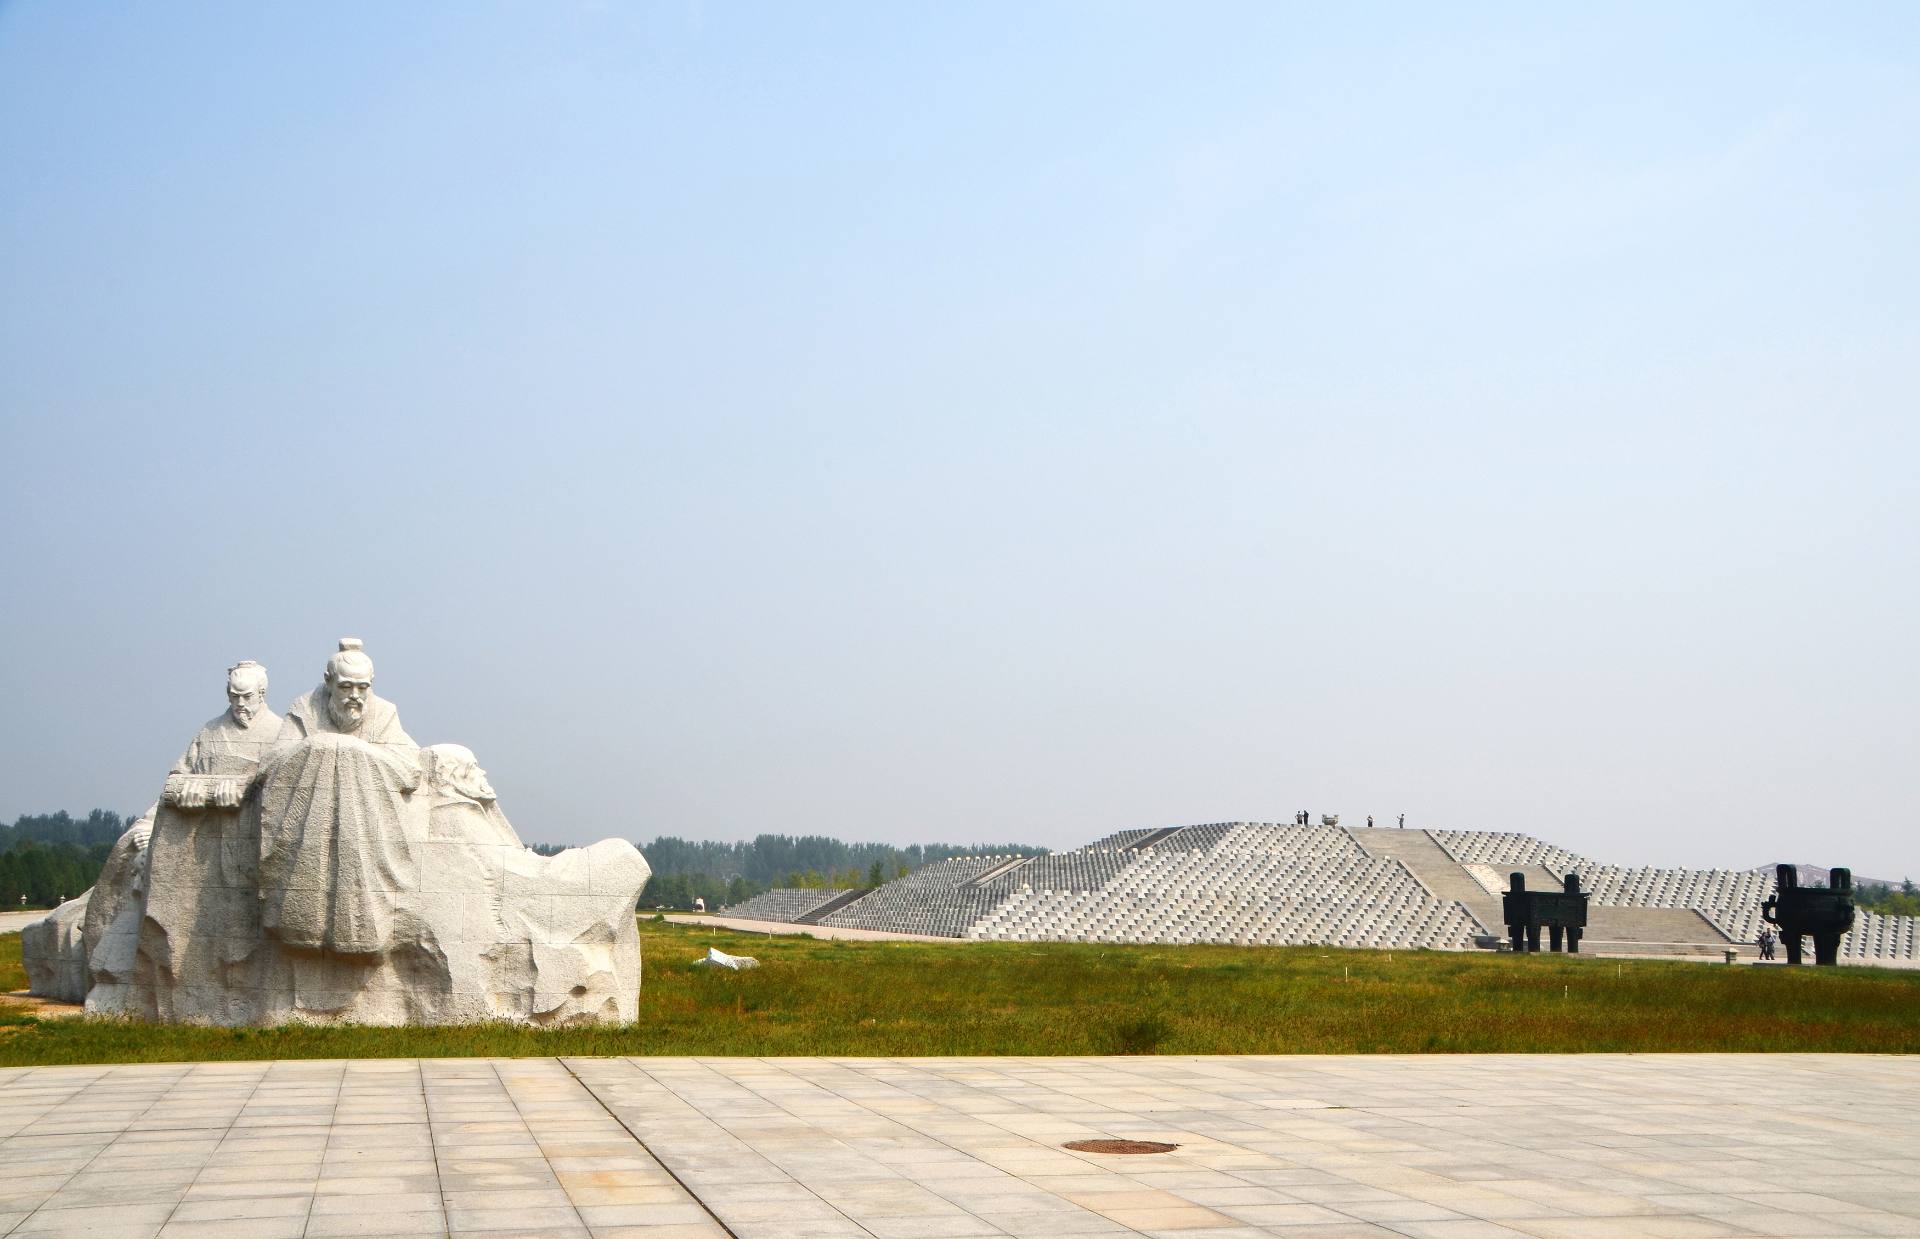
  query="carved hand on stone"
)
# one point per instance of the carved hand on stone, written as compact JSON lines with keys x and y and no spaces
{"x":189,"y":794}
{"x":226,"y":794}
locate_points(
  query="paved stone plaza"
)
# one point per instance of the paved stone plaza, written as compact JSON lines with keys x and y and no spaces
{"x":1560,"y":1147}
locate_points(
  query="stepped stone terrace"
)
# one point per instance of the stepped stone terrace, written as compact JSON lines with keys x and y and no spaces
{"x":1267,"y":883}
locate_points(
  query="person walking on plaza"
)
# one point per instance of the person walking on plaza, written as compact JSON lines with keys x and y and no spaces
{"x":1403,"y":821}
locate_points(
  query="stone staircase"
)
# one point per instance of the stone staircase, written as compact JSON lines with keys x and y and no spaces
{"x":1610,"y":930}
{"x":832,"y":905}
{"x":1437,"y":871}
{"x":1654,"y":931}
{"x":1539,"y":877}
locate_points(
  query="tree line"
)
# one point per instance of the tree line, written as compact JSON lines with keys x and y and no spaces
{"x":52,"y":856}
{"x":99,"y":826}
{"x":729,"y":873}
{"x":48,"y":857}
{"x":1901,"y":900}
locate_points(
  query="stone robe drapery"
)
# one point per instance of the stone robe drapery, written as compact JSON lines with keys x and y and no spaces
{"x":115,"y":909}
{"x":226,"y":749}
{"x":54,"y":953}
{"x":338,"y":828}
{"x":547,"y":939}
{"x":200,"y":922}
{"x":196,"y":839}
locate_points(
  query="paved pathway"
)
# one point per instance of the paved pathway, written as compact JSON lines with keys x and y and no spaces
{"x":1559,"y":1147}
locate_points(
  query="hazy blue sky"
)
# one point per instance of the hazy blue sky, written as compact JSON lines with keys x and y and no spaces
{"x":984,"y":422}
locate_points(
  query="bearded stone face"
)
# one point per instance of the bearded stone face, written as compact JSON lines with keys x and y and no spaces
{"x":469,"y":780}
{"x":457,"y":773}
{"x":246,"y":697}
{"x":347,"y":700}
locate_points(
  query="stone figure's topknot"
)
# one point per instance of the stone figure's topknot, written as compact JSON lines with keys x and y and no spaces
{"x":247,"y":669}
{"x":351,"y":660}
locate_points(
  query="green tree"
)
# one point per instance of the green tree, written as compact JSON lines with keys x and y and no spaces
{"x":771,"y":860}
{"x":1887,"y":901}
{"x":41,"y":875}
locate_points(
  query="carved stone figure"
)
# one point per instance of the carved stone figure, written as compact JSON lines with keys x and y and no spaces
{"x":89,"y":940}
{"x":54,"y":955}
{"x":195,"y":947}
{"x":115,"y":908}
{"x":323,"y":867}
{"x":223,"y":758}
{"x":338,"y":818}
{"x":556,"y":936}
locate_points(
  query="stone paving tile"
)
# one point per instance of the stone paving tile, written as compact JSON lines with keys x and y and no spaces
{"x":420,"y":1222}
{"x":1448,"y":1148}
{"x":1040,"y":1225}
{"x":241,"y":1228}
{"x":242,"y":1207}
{"x":96,"y":1218}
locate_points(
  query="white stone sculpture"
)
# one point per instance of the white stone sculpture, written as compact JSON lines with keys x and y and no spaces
{"x":90,"y":938}
{"x":199,"y":932}
{"x":115,"y":907}
{"x":548,"y":939}
{"x":338,"y":817}
{"x":53,"y":954}
{"x":324,"y":868}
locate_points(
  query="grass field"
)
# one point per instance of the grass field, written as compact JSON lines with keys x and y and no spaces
{"x":909,"y":998}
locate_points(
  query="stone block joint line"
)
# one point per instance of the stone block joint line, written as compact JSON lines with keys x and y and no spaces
{"x":674,"y":1174}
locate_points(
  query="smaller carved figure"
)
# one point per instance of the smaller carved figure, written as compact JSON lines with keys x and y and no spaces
{"x":224,"y":757}
{"x":89,"y":940}
{"x":200,"y":907}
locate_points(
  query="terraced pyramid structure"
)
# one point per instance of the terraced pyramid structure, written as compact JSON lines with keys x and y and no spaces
{"x":1268,"y":883}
